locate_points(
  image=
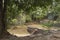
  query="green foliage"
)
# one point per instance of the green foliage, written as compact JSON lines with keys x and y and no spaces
{"x":28,"y":18}
{"x":48,"y":24}
{"x":39,"y":13}
{"x":22,"y":10}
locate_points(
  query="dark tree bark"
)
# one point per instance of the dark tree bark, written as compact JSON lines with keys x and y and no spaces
{"x":1,"y":22}
{"x":3,"y":7}
{"x":4,"y":15}
{"x":4,"y":18}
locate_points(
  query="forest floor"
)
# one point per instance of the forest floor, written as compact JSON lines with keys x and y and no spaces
{"x":21,"y":33}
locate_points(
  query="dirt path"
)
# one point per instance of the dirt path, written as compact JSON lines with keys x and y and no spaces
{"x":44,"y":35}
{"x":22,"y":30}
{"x":21,"y":33}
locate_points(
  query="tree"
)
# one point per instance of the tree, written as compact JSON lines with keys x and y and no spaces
{"x":2,"y":16}
{"x":1,"y":22}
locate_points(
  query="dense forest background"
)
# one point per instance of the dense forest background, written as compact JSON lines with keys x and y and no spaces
{"x":20,"y":12}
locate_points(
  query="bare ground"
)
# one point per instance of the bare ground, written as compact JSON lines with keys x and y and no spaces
{"x":43,"y":33}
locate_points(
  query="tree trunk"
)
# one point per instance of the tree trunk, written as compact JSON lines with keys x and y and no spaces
{"x":4,"y":15}
{"x":1,"y":23}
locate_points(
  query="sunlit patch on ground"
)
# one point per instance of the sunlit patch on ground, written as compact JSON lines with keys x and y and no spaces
{"x":21,"y":31}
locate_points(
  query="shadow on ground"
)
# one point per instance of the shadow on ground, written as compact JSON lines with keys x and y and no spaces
{"x":56,"y":25}
{"x":38,"y":35}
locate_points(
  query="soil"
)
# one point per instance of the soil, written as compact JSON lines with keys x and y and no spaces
{"x":42,"y":33}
